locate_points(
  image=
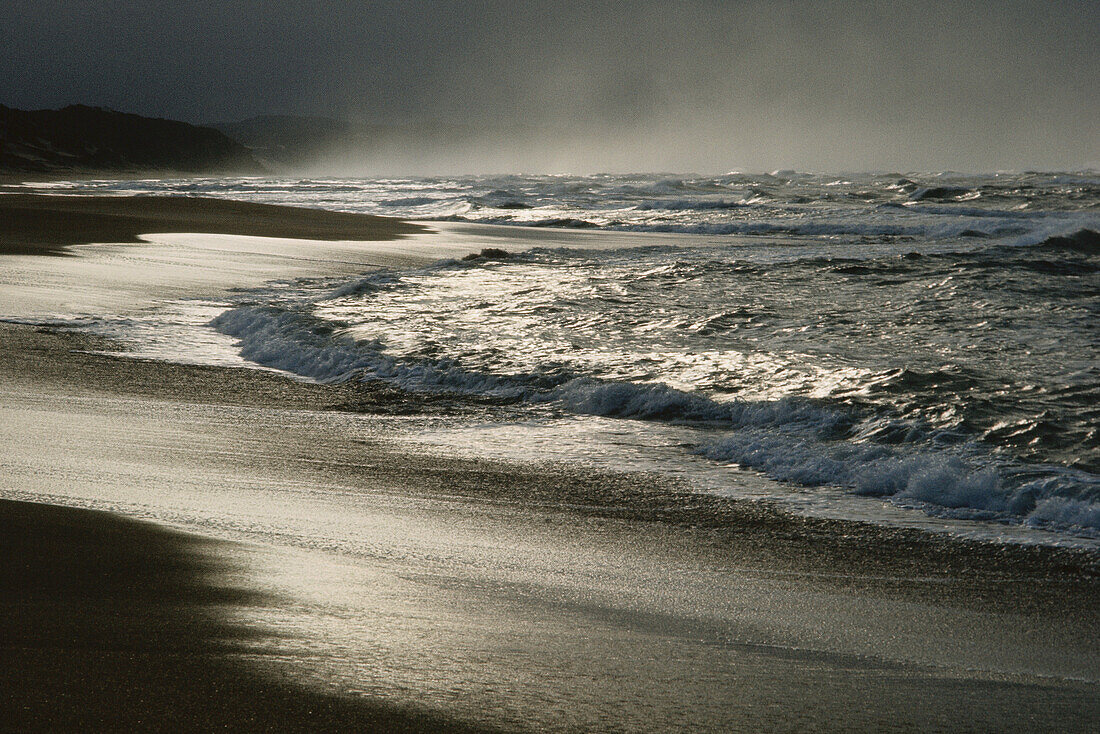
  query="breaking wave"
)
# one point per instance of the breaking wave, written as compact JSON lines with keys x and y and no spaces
{"x":795,"y":440}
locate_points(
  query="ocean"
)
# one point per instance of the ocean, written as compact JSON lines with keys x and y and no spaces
{"x":920,"y":349}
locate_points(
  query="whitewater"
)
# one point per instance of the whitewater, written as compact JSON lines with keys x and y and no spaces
{"x":915,"y":348}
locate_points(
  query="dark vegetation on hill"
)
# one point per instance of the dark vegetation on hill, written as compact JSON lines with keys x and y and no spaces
{"x":80,"y":138}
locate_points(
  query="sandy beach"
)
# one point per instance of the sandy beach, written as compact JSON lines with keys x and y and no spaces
{"x":199,"y":547}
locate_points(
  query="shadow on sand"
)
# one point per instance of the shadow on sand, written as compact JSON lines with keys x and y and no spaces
{"x":111,"y":624}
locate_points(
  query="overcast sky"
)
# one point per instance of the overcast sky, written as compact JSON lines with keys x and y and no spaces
{"x":705,"y":86}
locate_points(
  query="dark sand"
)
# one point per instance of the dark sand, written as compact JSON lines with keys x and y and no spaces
{"x":40,"y":224}
{"x":655,"y":622}
{"x":116,"y":625}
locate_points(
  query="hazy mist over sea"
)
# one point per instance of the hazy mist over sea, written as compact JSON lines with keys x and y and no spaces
{"x":581,"y":88}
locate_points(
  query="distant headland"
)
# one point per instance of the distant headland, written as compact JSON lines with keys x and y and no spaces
{"x":81,"y":139}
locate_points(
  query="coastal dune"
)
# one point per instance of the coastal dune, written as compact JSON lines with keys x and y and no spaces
{"x":296,"y":566}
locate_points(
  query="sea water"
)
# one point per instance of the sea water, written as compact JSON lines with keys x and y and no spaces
{"x":876,"y":346}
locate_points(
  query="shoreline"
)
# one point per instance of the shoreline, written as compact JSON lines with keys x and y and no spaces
{"x":49,"y":224}
{"x":539,"y":592}
{"x":753,"y":531}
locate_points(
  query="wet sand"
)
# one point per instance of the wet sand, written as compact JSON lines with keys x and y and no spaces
{"x":42,"y":224}
{"x":351,"y":581}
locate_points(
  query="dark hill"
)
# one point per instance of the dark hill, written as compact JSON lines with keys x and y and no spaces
{"x":80,"y":138}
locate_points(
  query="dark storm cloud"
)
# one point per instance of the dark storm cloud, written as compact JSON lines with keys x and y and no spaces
{"x":672,"y":85}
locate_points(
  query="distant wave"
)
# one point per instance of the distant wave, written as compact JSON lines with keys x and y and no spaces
{"x":1013,"y":230}
{"x":944,"y":193}
{"x":1085,"y":241}
{"x":411,"y":201}
{"x":951,"y":229}
{"x":690,"y":204}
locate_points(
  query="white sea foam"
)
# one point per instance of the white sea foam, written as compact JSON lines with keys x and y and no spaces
{"x":952,"y":484}
{"x":306,"y":346}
